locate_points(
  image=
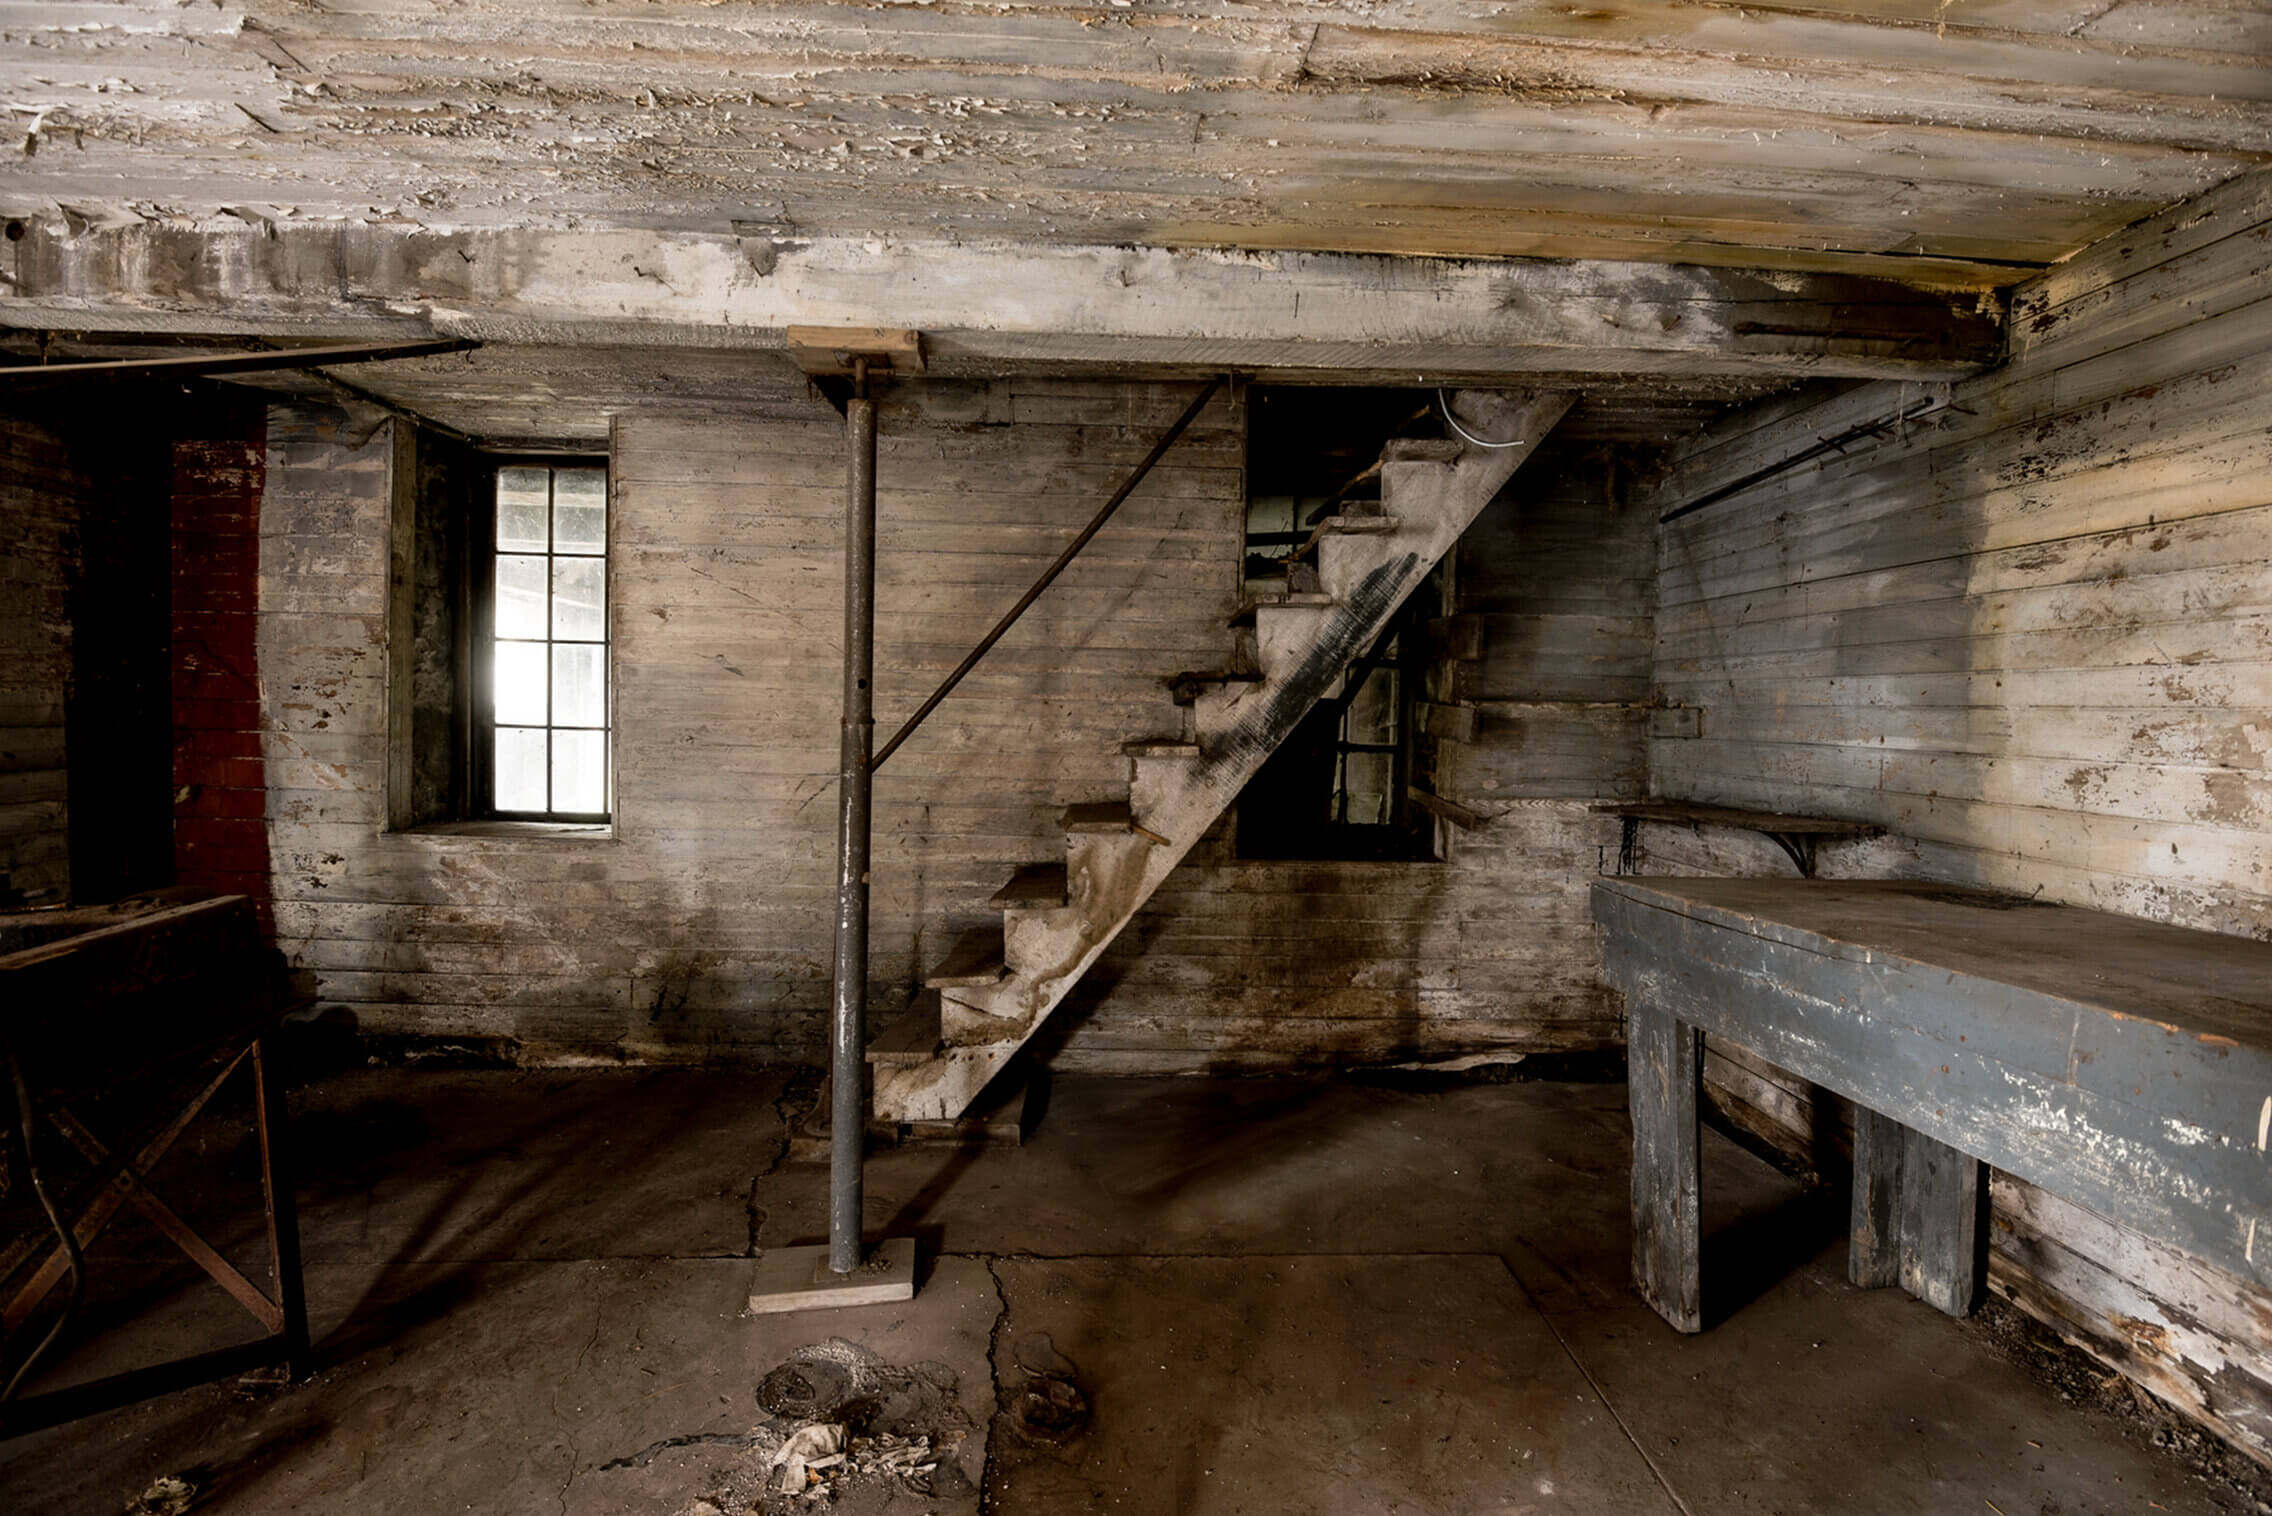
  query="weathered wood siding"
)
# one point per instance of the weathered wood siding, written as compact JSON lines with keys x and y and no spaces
{"x":702,"y":926}
{"x":2032,"y":637}
{"x":40,"y":494}
{"x":1241,"y":964}
{"x":1561,"y":570}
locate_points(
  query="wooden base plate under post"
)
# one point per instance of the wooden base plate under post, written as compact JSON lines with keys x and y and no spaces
{"x":799,"y":1279}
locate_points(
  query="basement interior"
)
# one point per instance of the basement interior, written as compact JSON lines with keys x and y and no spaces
{"x":1183,"y":756}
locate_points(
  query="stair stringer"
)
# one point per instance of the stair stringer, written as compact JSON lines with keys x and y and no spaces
{"x":1109,"y":877}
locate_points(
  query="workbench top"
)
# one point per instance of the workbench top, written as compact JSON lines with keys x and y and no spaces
{"x":2205,"y":984}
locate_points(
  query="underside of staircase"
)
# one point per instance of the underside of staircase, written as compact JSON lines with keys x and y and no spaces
{"x":997,"y":986}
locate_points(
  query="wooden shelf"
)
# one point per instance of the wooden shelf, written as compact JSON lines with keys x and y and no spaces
{"x":1796,"y":835}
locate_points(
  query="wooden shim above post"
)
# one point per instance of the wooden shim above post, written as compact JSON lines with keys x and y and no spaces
{"x":832,"y":350}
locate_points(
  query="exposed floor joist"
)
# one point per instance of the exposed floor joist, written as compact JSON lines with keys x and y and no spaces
{"x":1004,"y":308}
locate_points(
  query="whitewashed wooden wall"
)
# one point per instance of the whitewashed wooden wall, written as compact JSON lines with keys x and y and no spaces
{"x":1248,"y":965}
{"x":701,"y":928}
{"x":40,"y":492}
{"x":2034,"y":639}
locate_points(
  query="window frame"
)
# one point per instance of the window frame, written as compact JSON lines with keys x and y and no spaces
{"x":1401,"y":836}
{"x":481,"y":605}
{"x":1400,"y":666}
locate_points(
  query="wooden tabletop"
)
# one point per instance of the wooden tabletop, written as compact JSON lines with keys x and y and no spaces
{"x":2206,"y":984}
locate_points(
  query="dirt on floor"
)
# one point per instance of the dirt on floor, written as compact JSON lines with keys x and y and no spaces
{"x":2081,"y":1380}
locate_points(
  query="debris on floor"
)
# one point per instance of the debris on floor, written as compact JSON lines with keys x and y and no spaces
{"x":816,"y":1445}
{"x":844,"y":1425}
{"x":171,"y":1496}
{"x":817,"y":1459}
{"x":908,"y":1459}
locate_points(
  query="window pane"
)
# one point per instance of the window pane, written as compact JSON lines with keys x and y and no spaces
{"x":520,"y":769}
{"x":579,"y":510}
{"x":519,"y":689}
{"x":579,"y":597}
{"x":579,"y":772}
{"x":520,"y":597}
{"x":523,"y":496}
{"x":579,"y":684}
{"x":1372,"y":714}
{"x":548,"y":662}
{"x":1367,"y":776}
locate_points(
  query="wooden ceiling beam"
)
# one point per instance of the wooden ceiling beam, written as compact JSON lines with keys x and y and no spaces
{"x":994,"y":308}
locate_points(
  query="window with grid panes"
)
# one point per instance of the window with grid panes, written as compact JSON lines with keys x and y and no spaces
{"x":543,"y":749}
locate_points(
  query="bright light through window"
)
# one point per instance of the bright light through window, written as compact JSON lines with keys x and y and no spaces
{"x":548,"y":719}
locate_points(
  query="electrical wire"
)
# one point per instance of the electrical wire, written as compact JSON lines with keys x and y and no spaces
{"x":73,"y":1257}
{"x":1464,"y":434}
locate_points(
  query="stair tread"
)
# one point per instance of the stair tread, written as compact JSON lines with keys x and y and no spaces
{"x":1237,"y":730}
{"x":975,"y":959}
{"x":1184,"y":688}
{"x":1160,"y":747}
{"x":912,"y":1037}
{"x":1350,"y":526}
{"x":1034,"y":884}
{"x":1248,"y":607}
{"x":1100,"y":816}
{"x":1422,"y":450}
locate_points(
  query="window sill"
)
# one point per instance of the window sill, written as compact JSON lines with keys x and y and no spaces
{"x":510,"y":831}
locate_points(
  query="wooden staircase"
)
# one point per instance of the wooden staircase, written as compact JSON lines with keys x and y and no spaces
{"x":996,"y":987}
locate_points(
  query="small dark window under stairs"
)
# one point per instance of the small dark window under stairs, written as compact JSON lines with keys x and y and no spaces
{"x":1338,"y":787}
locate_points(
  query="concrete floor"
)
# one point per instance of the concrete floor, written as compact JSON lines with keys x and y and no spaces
{"x":1266,"y":1296}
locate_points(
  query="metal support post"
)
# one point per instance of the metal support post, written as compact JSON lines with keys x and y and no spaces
{"x":847,"y":1042}
{"x":845,"y":1272}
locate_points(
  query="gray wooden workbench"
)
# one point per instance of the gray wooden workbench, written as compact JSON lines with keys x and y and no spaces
{"x":2122,"y":1064}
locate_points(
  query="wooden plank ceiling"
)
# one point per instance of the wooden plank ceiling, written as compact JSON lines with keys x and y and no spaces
{"x":1960,"y":143}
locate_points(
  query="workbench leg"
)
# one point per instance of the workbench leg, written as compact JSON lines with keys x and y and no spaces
{"x":283,"y":1207}
{"x":1873,"y":1250}
{"x":1664,"y":1055}
{"x":1943,"y":1195}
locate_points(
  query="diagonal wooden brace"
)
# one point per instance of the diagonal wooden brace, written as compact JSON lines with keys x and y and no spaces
{"x":202,"y":1253}
{"x":110,"y":1197}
